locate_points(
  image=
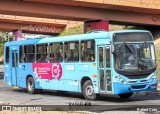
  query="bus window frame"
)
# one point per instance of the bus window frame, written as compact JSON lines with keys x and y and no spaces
{"x":36,"y":61}
{"x":70,"y":51}
{"x":51,"y":43}
{"x":22,"y":55}
{"x":7,"y":62}
{"x":94,"y":51}
{"x":29,"y":53}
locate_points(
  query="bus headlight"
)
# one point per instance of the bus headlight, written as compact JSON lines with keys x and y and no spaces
{"x":153,"y":78}
{"x":121,"y":80}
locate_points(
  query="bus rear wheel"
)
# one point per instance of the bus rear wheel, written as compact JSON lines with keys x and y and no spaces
{"x":125,"y":95}
{"x":88,"y":91}
{"x":31,"y":86}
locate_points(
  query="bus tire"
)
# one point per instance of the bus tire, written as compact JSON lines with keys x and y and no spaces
{"x":31,"y":86}
{"x":88,"y":91}
{"x":125,"y":95}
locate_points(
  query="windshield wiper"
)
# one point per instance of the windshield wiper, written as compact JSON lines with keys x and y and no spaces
{"x":129,"y":47}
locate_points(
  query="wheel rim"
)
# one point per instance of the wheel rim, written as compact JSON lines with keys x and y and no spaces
{"x":89,"y":91}
{"x":30,"y":85}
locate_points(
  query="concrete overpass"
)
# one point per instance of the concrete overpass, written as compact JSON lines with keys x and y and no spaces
{"x":13,"y":23}
{"x":134,"y":12}
{"x":19,"y":24}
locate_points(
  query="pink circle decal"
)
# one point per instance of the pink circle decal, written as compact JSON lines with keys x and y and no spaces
{"x":56,"y":71}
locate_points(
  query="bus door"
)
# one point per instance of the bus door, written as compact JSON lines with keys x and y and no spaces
{"x":14,"y":67}
{"x":104,"y":66}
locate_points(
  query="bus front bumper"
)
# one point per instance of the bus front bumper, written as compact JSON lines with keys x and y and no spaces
{"x":127,"y":88}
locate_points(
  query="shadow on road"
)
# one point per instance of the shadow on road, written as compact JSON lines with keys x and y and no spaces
{"x":107,"y":98}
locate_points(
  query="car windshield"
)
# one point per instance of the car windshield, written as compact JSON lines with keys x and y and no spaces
{"x":134,"y":57}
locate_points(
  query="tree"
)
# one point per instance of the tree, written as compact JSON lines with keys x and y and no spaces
{"x":6,"y":36}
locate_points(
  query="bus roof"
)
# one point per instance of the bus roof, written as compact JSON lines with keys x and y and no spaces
{"x":90,"y":35}
{"x":127,"y":31}
{"x":23,"y":42}
{"x":87,"y":36}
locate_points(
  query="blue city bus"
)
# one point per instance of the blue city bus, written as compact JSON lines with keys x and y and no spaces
{"x":95,"y":63}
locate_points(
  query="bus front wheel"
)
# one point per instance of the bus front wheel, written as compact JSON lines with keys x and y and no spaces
{"x":88,"y":91}
{"x":30,"y":86}
{"x":125,"y":95}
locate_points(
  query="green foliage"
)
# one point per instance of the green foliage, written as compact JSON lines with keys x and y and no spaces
{"x":6,"y":36}
{"x":79,"y":29}
{"x":1,"y":48}
{"x":73,"y":30}
{"x":158,"y":60}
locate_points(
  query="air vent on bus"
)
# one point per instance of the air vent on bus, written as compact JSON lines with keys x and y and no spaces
{"x":138,"y":87}
{"x":137,"y":77}
{"x":132,"y":81}
{"x":143,"y":80}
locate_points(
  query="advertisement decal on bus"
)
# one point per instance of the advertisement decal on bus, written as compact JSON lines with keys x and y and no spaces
{"x":47,"y":70}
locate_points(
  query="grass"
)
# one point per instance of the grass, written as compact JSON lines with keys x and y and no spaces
{"x":73,"y":30}
{"x":79,"y":29}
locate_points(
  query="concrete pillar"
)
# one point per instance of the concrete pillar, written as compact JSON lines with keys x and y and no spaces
{"x":17,"y":35}
{"x":96,"y":25}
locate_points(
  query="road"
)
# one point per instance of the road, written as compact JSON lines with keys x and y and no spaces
{"x":1,"y":68}
{"x":13,"y":96}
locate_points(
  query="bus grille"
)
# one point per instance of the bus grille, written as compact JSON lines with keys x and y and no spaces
{"x":144,"y":81}
{"x":134,"y":81}
{"x":138,"y":87}
{"x":137,"y":77}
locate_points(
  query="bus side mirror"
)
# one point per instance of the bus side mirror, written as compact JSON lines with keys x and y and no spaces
{"x":112,"y":49}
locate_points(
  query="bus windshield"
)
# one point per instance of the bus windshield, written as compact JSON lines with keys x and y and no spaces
{"x":134,"y":58}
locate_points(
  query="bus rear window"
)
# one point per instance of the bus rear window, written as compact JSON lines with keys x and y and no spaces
{"x":7,"y":55}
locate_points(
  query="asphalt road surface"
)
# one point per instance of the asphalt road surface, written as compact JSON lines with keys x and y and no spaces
{"x":13,"y":96}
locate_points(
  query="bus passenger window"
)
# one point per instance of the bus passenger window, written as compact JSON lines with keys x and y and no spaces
{"x":60,"y":58}
{"x":7,"y":55}
{"x":56,"y":52}
{"x":71,"y":51}
{"x":101,"y":61}
{"x":107,"y":57}
{"x":29,"y":54}
{"x":13,"y":60}
{"x":42,"y":53}
{"x":75,"y":56}
{"x":88,"y":51}
{"x":21,"y":57}
{"x":68,"y":56}
{"x":43,"y":59}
